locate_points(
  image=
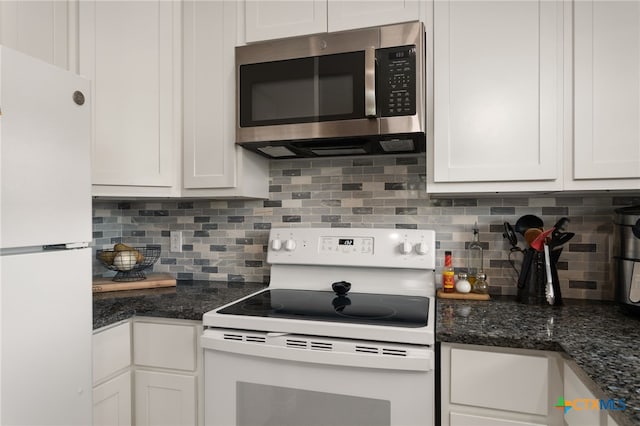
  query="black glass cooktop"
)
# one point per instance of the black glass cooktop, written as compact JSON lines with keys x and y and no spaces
{"x":358,"y":308}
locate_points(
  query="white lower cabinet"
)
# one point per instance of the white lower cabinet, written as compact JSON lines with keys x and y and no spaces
{"x":112,"y":375}
{"x":112,"y":401}
{"x":165,"y":398}
{"x":578,"y":393}
{"x":147,"y":371}
{"x":168,"y":368}
{"x":499,"y":386}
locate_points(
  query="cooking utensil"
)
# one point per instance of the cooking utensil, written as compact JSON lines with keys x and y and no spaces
{"x":532,"y":234}
{"x":541,"y":239}
{"x":528,"y":221}
{"x":511,"y":236}
{"x":557,"y":293}
{"x":547,"y":266}
{"x":558,"y":239}
{"x":561,"y":224}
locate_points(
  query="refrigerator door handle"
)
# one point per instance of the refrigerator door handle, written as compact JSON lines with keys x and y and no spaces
{"x":66,"y":246}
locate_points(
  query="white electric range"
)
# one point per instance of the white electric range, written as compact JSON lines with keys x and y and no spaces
{"x":344,"y":333}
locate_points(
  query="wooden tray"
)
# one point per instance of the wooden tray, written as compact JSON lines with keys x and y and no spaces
{"x":465,"y":296}
{"x":154,"y":280}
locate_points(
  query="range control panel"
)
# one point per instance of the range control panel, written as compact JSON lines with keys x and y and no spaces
{"x":384,"y":248}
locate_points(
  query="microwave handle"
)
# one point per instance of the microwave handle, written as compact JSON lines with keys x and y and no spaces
{"x":370,"y":82}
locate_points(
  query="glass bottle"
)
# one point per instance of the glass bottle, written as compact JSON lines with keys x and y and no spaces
{"x":480,"y":286}
{"x":474,"y":256}
{"x":448,"y":279}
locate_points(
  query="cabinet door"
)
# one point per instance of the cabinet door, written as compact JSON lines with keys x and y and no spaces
{"x":111,"y":351}
{"x":209,"y":94}
{"x":37,"y":28}
{"x":607,"y":90}
{"x":213,"y":165}
{"x":574,"y":388}
{"x":347,"y":15}
{"x":129,"y":49}
{"x":497,"y":91}
{"x":165,"y":399}
{"x":269,"y":19}
{"x":112,"y":402}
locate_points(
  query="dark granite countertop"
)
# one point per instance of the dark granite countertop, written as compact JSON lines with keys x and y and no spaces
{"x":599,"y":337}
{"x":188,"y":300}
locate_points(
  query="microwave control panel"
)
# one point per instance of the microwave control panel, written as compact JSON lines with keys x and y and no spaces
{"x":396,"y":81}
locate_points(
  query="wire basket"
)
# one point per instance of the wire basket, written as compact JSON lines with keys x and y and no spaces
{"x":130,"y":263}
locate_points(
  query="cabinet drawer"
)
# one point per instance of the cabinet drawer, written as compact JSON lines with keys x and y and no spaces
{"x":165,"y":345}
{"x":111,"y":351}
{"x":459,"y":419}
{"x":504,"y":381}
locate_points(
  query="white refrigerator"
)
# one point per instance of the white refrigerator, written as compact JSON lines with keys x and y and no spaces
{"x":45,"y":231}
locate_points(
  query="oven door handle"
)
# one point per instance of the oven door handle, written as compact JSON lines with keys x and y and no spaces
{"x":421,"y":359}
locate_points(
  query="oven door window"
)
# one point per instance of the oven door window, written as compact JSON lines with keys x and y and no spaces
{"x":265,"y":405}
{"x":304,"y":90}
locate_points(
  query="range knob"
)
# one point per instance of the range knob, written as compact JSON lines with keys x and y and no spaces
{"x":290,"y":245}
{"x":276,"y":244}
{"x":406,"y":247}
{"x":422,"y":248}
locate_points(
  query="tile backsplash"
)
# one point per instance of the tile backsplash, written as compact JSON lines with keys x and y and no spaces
{"x":226,"y":239}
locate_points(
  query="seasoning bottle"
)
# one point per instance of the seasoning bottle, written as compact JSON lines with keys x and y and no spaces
{"x":463,"y":285}
{"x":448,"y":279}
{"x":480,"y":286}
{"x":474,"y":256}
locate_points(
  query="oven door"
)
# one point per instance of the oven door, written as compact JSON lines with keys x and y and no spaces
{"x":254,"y":378}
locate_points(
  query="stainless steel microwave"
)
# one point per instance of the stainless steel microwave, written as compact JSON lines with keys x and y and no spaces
{"x":349,"y":93}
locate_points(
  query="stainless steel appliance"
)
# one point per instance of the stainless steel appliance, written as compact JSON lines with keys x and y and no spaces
{"x":343,"y":335}
{"x":45,"y":230}
{"x":349,"y":93}
{"x":627,"y":257}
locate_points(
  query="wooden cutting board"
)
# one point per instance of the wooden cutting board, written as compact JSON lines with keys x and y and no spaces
{"x":154,"y":280}
{"x":466,"y":296}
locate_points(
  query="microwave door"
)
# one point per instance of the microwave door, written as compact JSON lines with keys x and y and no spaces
{"x":313,"y":97}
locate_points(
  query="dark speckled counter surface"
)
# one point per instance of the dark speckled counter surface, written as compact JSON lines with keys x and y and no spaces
{"x":601,"y":338}
{"x":188,"y":300}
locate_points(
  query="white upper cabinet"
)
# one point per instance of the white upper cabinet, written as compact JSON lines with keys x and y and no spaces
{"x":270,"y":19}
{"x":497,"y":96}
{"x":37,"y":28}
{"x":606,"y":75}
{"x":212,"y":163}
{"x":131,"y":52}
{"x":347,"y":15}
{"x":266,"y":20}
